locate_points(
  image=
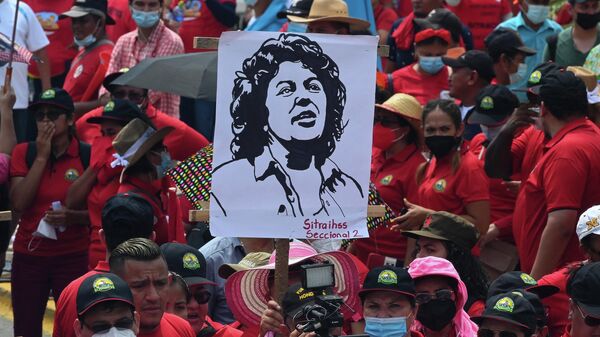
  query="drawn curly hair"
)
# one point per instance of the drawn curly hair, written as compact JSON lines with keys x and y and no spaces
{"x":248,"y":108}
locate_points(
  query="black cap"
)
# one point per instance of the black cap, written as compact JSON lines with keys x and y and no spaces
{"x":388,"y":278}
{"x":56,"y":97}
{"x":502,"y":40}
{"x":128,"y":208}
{"x":583,"y":287}
{"x":494,"y":104}
{"x":111,"y":77}
{"x":535,"y":301}
{"x":448,"y":227}
{"x":514,"y":280}
{"x":84,"y":7}
{"x":541,"y":71}
{"x":511,"y":308}
{"x":118,"y":110}
{"x":297,"y":297}
{"x":100,"y":288}
{"x":476,"y":60}
{"x":299,"y":8}
{"x":186,"y":261}
{"x":562,"y":90}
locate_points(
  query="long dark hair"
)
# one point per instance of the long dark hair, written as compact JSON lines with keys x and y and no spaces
{"x":470,"y":271}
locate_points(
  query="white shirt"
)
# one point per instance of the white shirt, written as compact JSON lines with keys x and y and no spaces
{"x":29,"y":35}
{"x":464,"y":110}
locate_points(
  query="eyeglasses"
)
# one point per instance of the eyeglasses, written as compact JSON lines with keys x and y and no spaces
{"x":442,"y":294}
{"x":132,"y":96}
{"x":124,"y":324}
{"x":589,"y":320}
{"x":495,"y":333}
{"x":202,"y":296}
{"x":51,"y":114}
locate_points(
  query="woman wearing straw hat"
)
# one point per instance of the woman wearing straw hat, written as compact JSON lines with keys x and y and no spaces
{"x":396,"y":157}
{"x":146,"y":160}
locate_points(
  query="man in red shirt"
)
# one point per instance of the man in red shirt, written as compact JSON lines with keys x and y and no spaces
{"x":141,"y":264}
{"x":124,"y":217}
{"x":563,"y":184}
{"x":584,"y":307}
{"x":119,"y":10}
{"x":384,"y":19}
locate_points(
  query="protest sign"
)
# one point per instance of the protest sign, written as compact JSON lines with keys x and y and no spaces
{"x":293,"y":135}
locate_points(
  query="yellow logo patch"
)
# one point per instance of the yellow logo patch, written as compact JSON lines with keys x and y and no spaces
{"x":103,"y":284}
{"x":527,"y":279}
{"x":387,"y":180}
{"x":49,"y":94}
{"x":71,"y":175}
{"x":505,"y":304}
{"x":190,"y":261}
{"x":387,"y":277}
{"x":110,"y":106}
{"x":487,"y":103}
{"x":593,"y":223}
{"x":440,"y":185}
{"x":535,"y":77}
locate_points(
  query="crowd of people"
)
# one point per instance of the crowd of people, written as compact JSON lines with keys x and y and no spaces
{"x":485,"y":133}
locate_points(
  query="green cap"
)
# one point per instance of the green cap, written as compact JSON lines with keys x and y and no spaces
{"x":448,"y":227}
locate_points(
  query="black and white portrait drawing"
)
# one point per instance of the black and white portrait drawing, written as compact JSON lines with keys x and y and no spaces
{"x":282,"y":117}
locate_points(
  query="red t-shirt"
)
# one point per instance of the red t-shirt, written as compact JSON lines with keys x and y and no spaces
{"x":199,"y":23}
{"x":56,"y":180}
{"x":171,"y":326}
{"x":384,"y":17}
{"x":502,"y":201}
{"x":557,"y":304}
{"x":119,"y":10}
{"x":66,"y":308}
{"x":565,"y":178}
{"x":183,"y":134}
{"x":442,"y":190}
{"x":423,"y":87}
{"x":223,"y":330}
{"x":59,"y":33}
{"x":527,"y":149}
{"x":87,"y":72}
{"x":395,"y":180}
{"x":481,"y":16}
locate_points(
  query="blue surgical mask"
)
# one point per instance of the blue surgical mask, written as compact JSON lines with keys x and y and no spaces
{"x":537,"y":13}
{"x":86,"y":41}
{"x":295,"y":27}
{"x":386,"y":327}
{"x":166,"y":163}
{"x":144,"y":19}
{"x":490,"y":132}
{"x":520,"y":75}
{"x":431,"y":64}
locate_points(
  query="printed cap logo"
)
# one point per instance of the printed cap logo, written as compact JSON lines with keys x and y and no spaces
{"x":593,"y":223}
{"x":535,"y":77}
{"x":110,"y":106}
{"x":487,"y":103}
{"x":505,"y":304}
{"x":123,"y":70}
{"x":103,"y":284}
{"x":49,"y":94}
{"x":528,"y":279}
{"x":71,"y":175}
{"x":190,"y":261}
{"x":387,"y":277}
{"x":427,"y":222}
{"x":440,"y":185}
{"x":387,"y":180}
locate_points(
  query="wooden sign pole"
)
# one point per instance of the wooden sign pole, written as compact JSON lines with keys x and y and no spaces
{"x":282,"y":252}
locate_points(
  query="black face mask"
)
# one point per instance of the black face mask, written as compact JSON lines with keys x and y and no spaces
{"x":588,"y":21}
{"x":436,"y":314}
{"x":441,"y":145}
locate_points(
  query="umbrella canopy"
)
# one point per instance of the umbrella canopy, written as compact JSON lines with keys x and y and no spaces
{"x":190,"y":75}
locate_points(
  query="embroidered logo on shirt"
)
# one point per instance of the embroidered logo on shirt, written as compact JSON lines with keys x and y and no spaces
{"x":505,"y":304}
{"x":71,"y":175}
{"x":440,"y":186}
{"x":487,"y":103}
{"x":593,"y":223}
{"x":103,"y":284}
{"x":78,"y":71}
{"x":387,"y":180}
{"x":528,"y":279}
{"x":387,"y":277}
{"x":190,"y":261}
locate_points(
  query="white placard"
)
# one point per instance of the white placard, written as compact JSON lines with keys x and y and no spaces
{"x":292,"y":147}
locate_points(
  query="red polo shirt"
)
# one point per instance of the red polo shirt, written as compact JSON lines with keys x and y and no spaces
{"x":566,"y":177}
{"x":395,"y":180}
{"x":481,"y":16}
{"x":557,"y":304}
{"x":66,"y":308}
{"x":527,"y":149}
{"x":57,"y":178}
{"x":443,"y":190}
{"x":164,"y":201}
{"x":423,"y":87}
{"x":87,"y":72}
{"x":183,"y":134}
{"x":119,"y":10}
{"x":171,"y":326}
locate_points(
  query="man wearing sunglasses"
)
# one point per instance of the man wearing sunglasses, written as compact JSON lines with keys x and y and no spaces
{"x":584,"y":308}
{"x":507,"y":315}
{"x":105,"y":308}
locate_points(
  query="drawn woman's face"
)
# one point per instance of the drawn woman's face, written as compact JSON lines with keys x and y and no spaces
{"x":296,"y":102}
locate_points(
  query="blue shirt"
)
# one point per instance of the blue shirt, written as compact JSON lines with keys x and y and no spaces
{"x":535,"y":39}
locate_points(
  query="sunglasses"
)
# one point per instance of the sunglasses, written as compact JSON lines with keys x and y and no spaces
{"x":134,"y":97}
{"x":51,"y":114}
{"x":202,"y":296}
{"x":388,"y":122}
{"x":442,"y":294}
{"x":589,"y":320}
{"x":124,"y":324}
{"x":495,"y":333}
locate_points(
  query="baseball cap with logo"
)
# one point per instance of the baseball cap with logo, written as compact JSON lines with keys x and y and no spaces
{"x":448,"y":227}
{"x":476,"y":60}
{"x":388,"y":278}
{"x":535,"y":301}
{"x":100,"y":288}
{"x":503,"y":40}
{"x":106,"y":83}
{"x":510,"y":308}
{"x":55,"y":97}
{"x":514,"y":280}
{"x":563,"y":91}
{"x":121,"y":111}
{"x":250,"y":261}
{"x":582,"y":287}
{"x":297,"y":297}
{"x":82,"y":8}
{"x":589,"y":222}
{"x":186,"y":261}
{"x":494,"y":104}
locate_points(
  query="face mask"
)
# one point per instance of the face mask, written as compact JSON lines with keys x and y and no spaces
{"x":144,"y":19}
{"x":490,"y":132}
{"x":441,"y":145}
{"x":114,"y":332}
{"x":588,"y":21}
{"x":436,"y":314}
{"x":166,"y":163}
{"x":251,"y":3}
{"x":295,"y":27}
{"x":431,"y":64}
{"x":519,"y":75}
{"x":537,"y":13}
{"x":386,"y":327}
{"x":383,"y":137}
{"x":87,"y":41}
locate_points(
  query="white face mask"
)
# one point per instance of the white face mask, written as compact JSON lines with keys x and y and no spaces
{"x":537,"y":13}
{"x":114,"y":332}
{"x":520,"y":75}
{"x":490,"y":132}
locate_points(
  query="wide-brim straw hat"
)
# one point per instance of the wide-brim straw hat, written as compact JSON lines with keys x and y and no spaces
{"x":331,"y":10}
{"x":247,"y":292}
{"x":407,"y":107}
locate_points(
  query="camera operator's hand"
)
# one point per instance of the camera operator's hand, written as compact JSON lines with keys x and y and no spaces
{"x":272,"y":319}
{"x":299,"y":333}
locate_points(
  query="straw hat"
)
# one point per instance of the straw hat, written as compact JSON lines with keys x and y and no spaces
{"x":587,"y":76}
{"x":331,"y":10}
{"x":134,"y":141}
{"x":406,"y":106}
